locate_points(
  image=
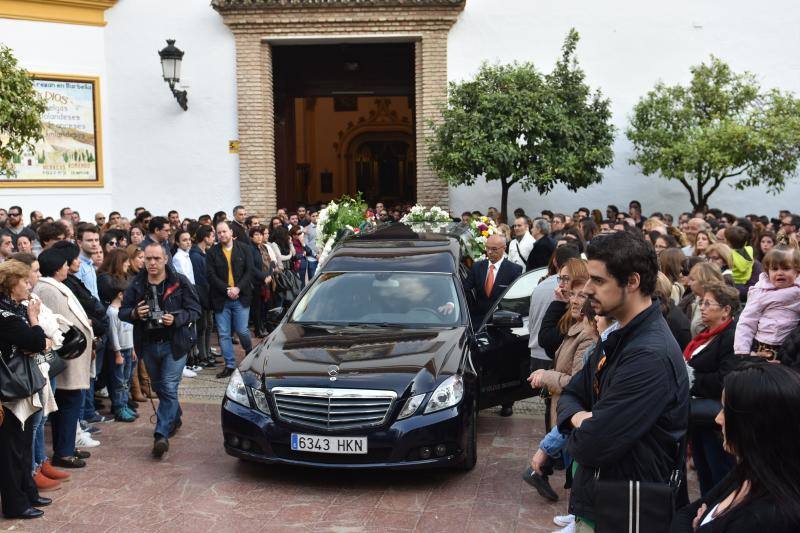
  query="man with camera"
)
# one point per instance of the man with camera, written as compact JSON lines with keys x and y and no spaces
{"x":162,"y":304}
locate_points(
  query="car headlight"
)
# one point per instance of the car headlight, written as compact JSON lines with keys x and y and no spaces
{"x":260,"y":399}
{"x":411,"y":406}
{"x":237,"y":391}
{"x":448,"y":394}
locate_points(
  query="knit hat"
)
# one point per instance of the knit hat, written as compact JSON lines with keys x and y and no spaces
{"x":51,"y":261}
{"x":70,"y":250}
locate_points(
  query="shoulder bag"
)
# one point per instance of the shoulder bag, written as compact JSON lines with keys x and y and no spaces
{"x":19,"y":378}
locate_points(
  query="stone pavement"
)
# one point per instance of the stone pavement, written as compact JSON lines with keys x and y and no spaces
{"x":197,"y":487}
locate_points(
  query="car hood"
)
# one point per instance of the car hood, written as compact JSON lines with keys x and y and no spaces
{"x":360,"y":357}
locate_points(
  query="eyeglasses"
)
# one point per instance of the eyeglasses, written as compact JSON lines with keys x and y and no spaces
{"x":14,"y":214}
{"x":562,"y":279}
{"x":494,"y":248}
{"x":707,"y":303}
{"x":112,"y":243}
{"x":713,"y":258}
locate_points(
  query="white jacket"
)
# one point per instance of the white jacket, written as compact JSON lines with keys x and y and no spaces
{"x":519,"y":250}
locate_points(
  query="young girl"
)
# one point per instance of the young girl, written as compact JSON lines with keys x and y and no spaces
{"x":120,"y":342}
{"x":773,"y":306}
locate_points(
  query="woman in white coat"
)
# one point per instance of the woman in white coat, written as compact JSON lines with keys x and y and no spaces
{"x":54,"y":267}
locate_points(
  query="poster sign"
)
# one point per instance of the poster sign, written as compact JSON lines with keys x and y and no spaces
{"x":70,"y":152}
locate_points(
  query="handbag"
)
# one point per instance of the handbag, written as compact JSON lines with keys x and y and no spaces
{"x":633,"y":506}
{"x":56,"y":362}
{"x":703,"y":412}
{"x":19,"y":378}
{"x":288,"y":285}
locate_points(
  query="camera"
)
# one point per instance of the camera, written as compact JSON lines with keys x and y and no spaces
{"x":155,"y":320}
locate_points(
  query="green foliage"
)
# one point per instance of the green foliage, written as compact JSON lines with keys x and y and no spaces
{"x":720,"y":128}
{"x":518,"y":126}
{"x":21,"y":110}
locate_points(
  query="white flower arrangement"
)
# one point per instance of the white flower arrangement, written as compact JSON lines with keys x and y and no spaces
{"x":419,"y":213}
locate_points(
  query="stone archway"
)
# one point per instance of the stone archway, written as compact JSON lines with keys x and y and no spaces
{"x":257,"y":25}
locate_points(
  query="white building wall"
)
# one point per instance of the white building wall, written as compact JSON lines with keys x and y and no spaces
{"x":51,"y":48}
{"x":166,"y":157}
{"x":159,"y":156}
{"x":626,"y":46}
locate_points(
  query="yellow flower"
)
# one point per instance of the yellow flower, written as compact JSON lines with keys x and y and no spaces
{"x":485,"y":233}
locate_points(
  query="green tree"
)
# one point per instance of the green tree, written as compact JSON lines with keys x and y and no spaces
{"x":514,"y":125}
{"x":720,"y":128}
{"x":21,"y":110}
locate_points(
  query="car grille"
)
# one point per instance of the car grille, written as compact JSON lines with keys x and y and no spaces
{"x":333,"y":409}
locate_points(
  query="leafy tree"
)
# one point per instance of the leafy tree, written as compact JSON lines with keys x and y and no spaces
{"x":720,"y":128}
{"x":515,"y":125}
{"x":21,"y":110}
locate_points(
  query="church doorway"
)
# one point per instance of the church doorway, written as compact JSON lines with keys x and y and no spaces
{"x":344,"y":122}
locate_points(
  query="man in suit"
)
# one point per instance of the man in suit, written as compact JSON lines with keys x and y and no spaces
{"x":488,"y":279}
{"x":230,"y":277}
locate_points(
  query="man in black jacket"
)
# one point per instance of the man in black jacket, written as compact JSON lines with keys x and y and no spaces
{"x":543,"y":246}
{"x":628,"y":407}
{"x":230,"y":277}
{"x":162,"y":340}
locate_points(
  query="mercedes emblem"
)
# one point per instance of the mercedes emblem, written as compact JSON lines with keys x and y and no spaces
{"x":333,"y":371}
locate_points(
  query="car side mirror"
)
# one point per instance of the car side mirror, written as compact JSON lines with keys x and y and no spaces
{"x":506,"y":319}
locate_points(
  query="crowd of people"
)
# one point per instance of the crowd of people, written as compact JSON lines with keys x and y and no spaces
{"x":695,"y":318}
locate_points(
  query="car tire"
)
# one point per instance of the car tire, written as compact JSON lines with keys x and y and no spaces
{"x":471,"y":450}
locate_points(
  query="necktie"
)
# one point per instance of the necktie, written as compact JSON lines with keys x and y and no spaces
{"x":487,"y":287}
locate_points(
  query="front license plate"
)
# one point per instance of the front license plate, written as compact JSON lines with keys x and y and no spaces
{"x":319,"y":444}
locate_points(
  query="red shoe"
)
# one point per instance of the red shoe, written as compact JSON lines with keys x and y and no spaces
{"x":44,"y":483}
{"x":54,"y":473}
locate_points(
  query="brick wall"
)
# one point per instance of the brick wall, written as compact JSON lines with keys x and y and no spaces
{"x":255,"y":26}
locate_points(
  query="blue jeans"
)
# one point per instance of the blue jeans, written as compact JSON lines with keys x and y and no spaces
{"x":165,"y":376}
{"x":120,"y":378}
{"x":312,"y":268}
{"x":233,"y":317}
{"x":36,"y":422}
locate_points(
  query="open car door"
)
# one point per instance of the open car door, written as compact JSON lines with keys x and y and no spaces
{"x":502,"y":356}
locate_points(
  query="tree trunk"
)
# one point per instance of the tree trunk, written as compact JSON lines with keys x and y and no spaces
{"x":504,"y":187}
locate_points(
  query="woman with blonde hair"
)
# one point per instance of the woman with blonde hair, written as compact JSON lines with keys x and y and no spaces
{"x":703,"y":240}
{"x":721,"y":255}
{"x":701,"y":274}
{"x":20,"y":336}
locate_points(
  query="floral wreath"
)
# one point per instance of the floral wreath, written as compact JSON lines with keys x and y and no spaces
{"x":341,"y":218}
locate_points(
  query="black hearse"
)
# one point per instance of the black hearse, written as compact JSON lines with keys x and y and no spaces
{"x":377,"y":364}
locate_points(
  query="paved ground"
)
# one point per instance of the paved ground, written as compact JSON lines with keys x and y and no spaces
{"x":197,"y":487}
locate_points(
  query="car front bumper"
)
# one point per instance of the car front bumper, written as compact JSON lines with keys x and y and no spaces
{"x":255,"y":436}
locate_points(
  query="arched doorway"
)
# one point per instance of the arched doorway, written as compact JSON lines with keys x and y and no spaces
{"x":382,"y":166}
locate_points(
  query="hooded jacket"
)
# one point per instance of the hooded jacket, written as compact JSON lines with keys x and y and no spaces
{"x":769,"y":316}
{"x":640,"y":415}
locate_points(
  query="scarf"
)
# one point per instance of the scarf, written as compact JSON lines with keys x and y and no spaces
{"x":704,"y":337}
{"x":7,"y":304}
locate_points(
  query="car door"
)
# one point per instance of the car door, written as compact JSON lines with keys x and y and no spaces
{"x":501,"y":354}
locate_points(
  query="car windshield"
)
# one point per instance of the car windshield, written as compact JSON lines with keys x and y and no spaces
{"x":380,"y":298}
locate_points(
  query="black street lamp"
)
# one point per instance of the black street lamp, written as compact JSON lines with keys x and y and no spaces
{"x":171,"y":58}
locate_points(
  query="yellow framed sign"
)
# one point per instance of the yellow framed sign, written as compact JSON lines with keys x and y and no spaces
{"x":70,"y":154}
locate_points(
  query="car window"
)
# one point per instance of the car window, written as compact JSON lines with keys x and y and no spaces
{"x":405,"y":298}
{"x":518,"y":296}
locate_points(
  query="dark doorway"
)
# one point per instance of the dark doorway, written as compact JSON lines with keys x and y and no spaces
{"x":344,"y":122}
